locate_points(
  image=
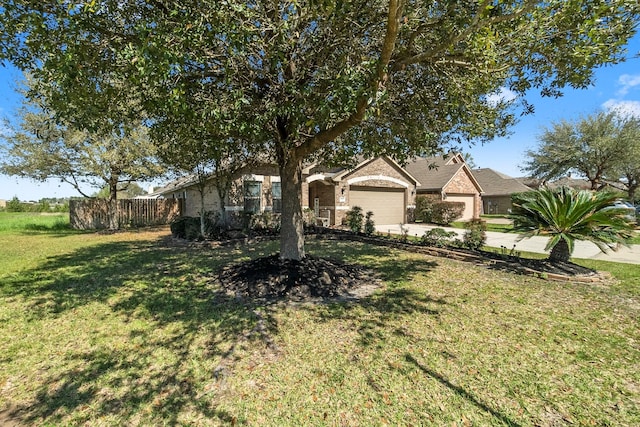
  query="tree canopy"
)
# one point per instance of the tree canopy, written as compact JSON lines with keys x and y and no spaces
{"x":301,"y":80}
{"x":599,"y":146}
{"x":42,"y":147}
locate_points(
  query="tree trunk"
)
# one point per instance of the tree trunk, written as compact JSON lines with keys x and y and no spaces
{"x":292,"y":225}
{"x":202,"y":213}
{"x":560,"y":252}
{"x":112,"y":203}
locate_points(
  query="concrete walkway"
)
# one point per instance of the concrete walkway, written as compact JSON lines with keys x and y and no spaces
{"x":585,"y":250}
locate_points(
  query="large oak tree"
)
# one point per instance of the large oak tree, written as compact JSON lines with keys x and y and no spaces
{"x":319,"y":78}
{"x":600,"y":146}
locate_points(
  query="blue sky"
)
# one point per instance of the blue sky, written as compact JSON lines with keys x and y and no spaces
{"x":615,"y":87}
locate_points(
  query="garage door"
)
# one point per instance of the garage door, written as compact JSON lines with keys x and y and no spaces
{"x":468,"y":205}
{"x":387,"y":204}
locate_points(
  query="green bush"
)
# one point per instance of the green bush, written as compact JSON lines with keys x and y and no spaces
{"x":188,"y":227}
{"x":14,"y":205}
{"x":424,"y":205}
{"x":444,"y":213}
{"x":475,"y":235}
{"x":438,"y":237}
{"x":431,"y":209}
{"x":355,"y":219}
{"x":369,"y":225}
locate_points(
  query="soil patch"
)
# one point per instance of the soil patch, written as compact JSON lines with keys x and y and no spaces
{"x":312,"y":278}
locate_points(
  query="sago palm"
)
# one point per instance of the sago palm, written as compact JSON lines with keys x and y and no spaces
{"x":566,"y":215}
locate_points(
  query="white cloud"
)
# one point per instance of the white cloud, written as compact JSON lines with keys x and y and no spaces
{"x":502,"y":95}
{"x":628,"y":82}
{"x":624,"y":108}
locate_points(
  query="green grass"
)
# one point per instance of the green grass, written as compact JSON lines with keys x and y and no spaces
{"x":124,"y":329}
{"x":23,"y":221}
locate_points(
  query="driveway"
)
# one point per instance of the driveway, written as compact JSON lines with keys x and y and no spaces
{"x":585,"y":250}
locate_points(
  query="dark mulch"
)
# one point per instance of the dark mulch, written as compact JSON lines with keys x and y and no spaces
{"x":543,"y":266}
{"x":311,"y":278}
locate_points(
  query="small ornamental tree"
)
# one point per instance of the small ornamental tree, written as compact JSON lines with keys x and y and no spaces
{"x":567,"y":215}
{"x":369,"y":224}
{"x":355,"y":219}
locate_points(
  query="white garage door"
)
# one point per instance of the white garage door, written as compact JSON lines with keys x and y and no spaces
{"x":468,"y":205}
{"x":387,"y":204}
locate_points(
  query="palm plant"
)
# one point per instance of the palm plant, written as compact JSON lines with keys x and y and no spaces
{"x":567,"y":215}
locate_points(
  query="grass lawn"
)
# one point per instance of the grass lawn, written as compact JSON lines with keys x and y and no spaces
{"x":121,"y":329}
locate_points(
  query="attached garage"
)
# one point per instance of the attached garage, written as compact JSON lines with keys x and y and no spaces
{"x":468,"y":201}
{"x":387,"y":204}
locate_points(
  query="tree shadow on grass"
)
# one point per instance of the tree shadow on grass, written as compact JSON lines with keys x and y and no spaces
{"x":461,"y":392}
{"x":188,"y":334}
{"x":175,"y":321}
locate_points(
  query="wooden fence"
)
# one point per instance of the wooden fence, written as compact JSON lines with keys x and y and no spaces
{"x":100,"y":213}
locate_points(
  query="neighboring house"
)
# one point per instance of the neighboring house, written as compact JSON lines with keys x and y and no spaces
{"x":379,"y":185}
{"x":497,"y":190}
{"x":450,"y":178}
{"x":3,"y":204}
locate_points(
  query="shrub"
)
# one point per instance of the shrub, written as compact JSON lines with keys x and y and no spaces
{"x":475,"y":235}
{"x":265,"y":223}
{"x":187,"y":227}
{"x":424,"y":205}
{"x":369,"y":225}
{"x":355,"y":219}
{"x":433,"y":210}
{"x":438,"y":237}
{"x":444,"y":213}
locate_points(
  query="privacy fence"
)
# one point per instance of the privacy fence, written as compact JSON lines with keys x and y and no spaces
{"x":99,"y":213}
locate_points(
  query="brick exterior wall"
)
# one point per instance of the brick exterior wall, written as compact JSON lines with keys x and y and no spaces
{"x":381,"y":166}
{"x":462,"y":183}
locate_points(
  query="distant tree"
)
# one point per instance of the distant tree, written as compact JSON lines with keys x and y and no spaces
{"x":593,"y":147}
{"x":42,"y":147}
{"x":627,"y":167}
{"x":127,"y":190}
{"x":315,"y":79}
{"x":14,"y":205}
{"x":567,"y":215}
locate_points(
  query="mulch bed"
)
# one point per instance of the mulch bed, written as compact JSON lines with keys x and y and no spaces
{"x":311,"y":278}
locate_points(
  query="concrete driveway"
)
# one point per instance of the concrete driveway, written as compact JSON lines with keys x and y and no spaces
{"x":585,"y":250}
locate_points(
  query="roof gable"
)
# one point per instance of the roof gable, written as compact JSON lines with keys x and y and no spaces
{"x":497,"y":184}
{"x":435,"y":173}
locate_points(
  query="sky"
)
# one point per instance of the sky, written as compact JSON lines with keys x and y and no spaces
{"x":615,"y":87}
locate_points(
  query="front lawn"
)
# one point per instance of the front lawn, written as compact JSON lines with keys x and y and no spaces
{"x":125,"y":329}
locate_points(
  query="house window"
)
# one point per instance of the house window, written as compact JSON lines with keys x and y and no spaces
{"x":252,"y":191}
{"x":276,"y":196}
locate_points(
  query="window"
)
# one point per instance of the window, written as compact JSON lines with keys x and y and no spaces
{"x":252,"y":191}
{"x":276,"y":196}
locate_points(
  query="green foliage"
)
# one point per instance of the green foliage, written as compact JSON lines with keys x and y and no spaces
{"x":438,"y":237}
{"x":603,"y":145}
{"x":310,"y":80}
{"x":431,"y":209}
{"x":475,"y":235}
{"x":566,"y":215}
{"x":355,"y":219}
{"x":14,"y":205}
{"x":424,"y":207}
{"x":444,"y":213}
{"x":369,"y":224}
{"x":187,"y":227}
{"x":126,"y":190}
{"x":265,"y":223}
{"x":44,"y":146}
